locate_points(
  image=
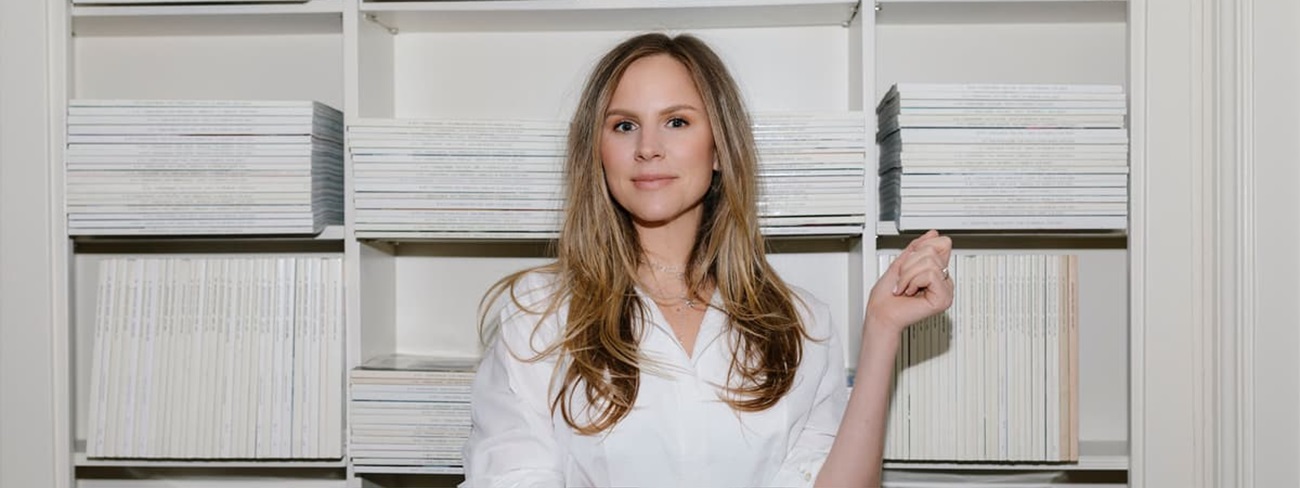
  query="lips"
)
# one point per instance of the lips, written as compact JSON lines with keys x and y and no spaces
{"x":652,"y":181}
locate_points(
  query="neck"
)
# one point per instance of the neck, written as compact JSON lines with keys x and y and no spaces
{"x":669,"y":244}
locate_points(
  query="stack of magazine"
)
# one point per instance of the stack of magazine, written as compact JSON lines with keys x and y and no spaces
{"x":811,"y":172}
{"x":217,"y":358}
{"x":1003,"y":157}
{"x":503,"y":178}
{"x":410,"y":414}
{"x":183,"y":167}
{"x":995,"y":378}
{"x":457,"y":178}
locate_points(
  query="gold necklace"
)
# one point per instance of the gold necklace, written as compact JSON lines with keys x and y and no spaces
{"x":660,"y":298}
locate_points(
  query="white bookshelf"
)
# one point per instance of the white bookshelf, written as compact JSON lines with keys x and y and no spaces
{"x":527,"y":58}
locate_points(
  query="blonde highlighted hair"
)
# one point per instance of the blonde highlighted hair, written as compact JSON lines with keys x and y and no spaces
{"x":598,"y":254}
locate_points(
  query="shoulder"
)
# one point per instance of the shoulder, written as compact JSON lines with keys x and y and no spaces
{"x":814,"y":313}
{"x":531,"y":310}
{"x":534,"y":291}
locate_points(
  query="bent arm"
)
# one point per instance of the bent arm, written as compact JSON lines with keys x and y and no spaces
{"x":856,"y":456}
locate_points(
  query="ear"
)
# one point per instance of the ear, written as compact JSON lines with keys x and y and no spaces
{"x":715,"y":163}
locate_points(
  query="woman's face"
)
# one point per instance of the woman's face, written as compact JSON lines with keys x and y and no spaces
{"x":656,"y":144}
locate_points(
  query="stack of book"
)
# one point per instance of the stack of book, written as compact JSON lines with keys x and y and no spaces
{"x":458,"y":178}
{"x":812,"y":169}
{"x":177,"y":167}
{"x":410,"y":414}
{"x":995,"y":378}
{"x":218,"y":358}
{"x":1003,"y":157}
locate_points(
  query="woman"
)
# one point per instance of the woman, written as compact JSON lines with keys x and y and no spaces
{"x":661,"y":348}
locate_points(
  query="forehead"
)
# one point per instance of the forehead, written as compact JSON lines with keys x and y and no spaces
{"x":658,"y":77}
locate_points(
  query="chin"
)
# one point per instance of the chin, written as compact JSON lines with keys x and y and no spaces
{"x":655,"y":216}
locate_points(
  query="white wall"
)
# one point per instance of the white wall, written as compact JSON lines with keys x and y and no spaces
{"x":26,"y":288}
{"x":1276,"y":236}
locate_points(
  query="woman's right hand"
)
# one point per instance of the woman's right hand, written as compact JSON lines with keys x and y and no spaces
{"x":915,"y":286}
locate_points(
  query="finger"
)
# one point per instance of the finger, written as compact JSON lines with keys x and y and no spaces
{"x":895,"y":269}
{"x":921,"y":266}
{"x":922,"y":281}
{"x":941,"y":246}
{"x":940,"y":295}
{"x":930,"y":234}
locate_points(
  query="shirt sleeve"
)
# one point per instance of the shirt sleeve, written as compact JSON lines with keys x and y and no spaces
{"x":809,"y":450}
{"x":512,"y":441}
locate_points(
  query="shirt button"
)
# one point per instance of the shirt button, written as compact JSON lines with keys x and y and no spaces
{"x":807,"y":476}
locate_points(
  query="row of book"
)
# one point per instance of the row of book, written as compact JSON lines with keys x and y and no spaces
{"x":410,"y":414}
{"x":1003,"y":157}
{"x":201,"y":167}
{"x":952,"y":157}
{"x":504,"y":177}
{"x":995,"y":378}
{"x":217,"y":358}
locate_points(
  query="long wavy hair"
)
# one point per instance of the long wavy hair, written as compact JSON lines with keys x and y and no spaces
{"x":598,"y":254}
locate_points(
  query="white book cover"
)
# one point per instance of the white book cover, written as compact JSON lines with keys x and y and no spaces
{"x":191,"y":120}
{"x":1014,"y":169}
{"x":337,"y":364}
{"x":1012,"y":192}
{"x":907,"y":223}
{"x":248,"y":373}
{"x":1014,"y":180}
{"x":174,"y":139}
{"x":136,"y":366}
{"x":458,"y":124}
{"x":149,"y":411}
{"x":897,"y":109}
{"x":99,"y":359}
{"x":264,"y":346}
{"x":297,"y":368}
{"x":298,"y":152}
{"x":1054,"y":365}
{"x":955,"y":102}
{"x":1003,"y":95}
{"x":213,"y":111}
{"x":1010,"y":136}
{"x":909,"y":208}
{"x":139,"y":103}
{"x":1002,"y":121}
{"x":911,"y":87}
{"x":892,"y":145}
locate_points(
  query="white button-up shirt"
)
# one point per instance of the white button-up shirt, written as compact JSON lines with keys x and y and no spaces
{"x":678,"y":433}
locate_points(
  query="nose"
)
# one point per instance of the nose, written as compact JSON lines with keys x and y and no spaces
{"x":648,"y":145}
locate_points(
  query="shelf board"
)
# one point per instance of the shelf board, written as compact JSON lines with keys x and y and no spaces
{"x":889,"y":229}
{"x":579,"y":15}
{"x":328,"y":240}
{"x":422,"y":470}
{"x":81,"y":460}
{"x":329,"y":233}
{"x":1093,"y":456}
{"x":311,"y":17}
{"x":1000,"y":11}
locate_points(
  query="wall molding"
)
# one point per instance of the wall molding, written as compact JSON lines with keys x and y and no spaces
{"x":1192,"y":219}
{"x":1236,"y":266}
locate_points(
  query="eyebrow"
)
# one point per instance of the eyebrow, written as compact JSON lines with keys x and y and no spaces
{"x":670,"y":109}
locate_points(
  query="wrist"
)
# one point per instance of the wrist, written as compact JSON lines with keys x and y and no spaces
{"x":875,"y":324}
{"x":875,"y":331}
